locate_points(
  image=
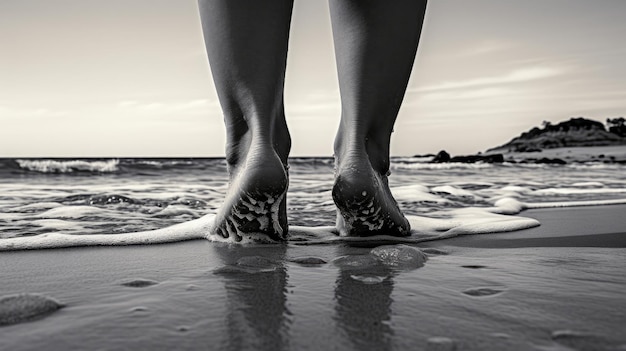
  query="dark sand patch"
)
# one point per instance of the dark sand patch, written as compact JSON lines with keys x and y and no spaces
{"x":473,"y":266}
{"x":139,"y":283}
{"x":308,"y":261}
{"x":482,"y":291}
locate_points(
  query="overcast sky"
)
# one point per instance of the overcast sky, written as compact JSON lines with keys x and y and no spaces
{"x":116,"y":78}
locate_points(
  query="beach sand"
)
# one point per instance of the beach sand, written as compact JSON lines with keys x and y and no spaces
{"x":616,"y":153}
{"x":559,"y":286}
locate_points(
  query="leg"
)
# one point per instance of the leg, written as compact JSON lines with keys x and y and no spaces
{"x":246,"y":43}
{"x":375,"y":44}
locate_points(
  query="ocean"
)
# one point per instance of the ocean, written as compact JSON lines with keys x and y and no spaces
{"x":123,"y":195}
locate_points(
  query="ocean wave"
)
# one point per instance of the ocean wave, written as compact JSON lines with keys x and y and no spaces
{"x":138,"y":166}
{"x":148,"y":164}
{"x":597,"y":165}
{"x":69,"y":166}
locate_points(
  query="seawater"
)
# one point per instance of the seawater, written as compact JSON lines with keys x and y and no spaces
{"x":115,"y":196}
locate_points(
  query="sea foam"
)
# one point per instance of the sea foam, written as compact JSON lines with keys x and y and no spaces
{"x":457,"y":222}
{"x":56,"y":166}
{"x":125,"y":206}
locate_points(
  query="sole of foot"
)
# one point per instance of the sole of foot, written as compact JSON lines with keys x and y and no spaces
{"x":255,"y":205}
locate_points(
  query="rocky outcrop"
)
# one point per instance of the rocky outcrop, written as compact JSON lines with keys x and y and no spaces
{"x":444,"y":157}
{"x":575,"y":132}
{"x":493,"y":158}
{"x":441,"y":157}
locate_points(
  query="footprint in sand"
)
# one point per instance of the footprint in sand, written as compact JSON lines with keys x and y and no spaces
{"x":308,"y":261}
{"x":26,"y":307}
{"x":139,"y":283}
{"x":474,"y":266}
{"x":483,"y":291}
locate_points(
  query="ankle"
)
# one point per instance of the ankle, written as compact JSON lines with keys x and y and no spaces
{"x":358,"y":150}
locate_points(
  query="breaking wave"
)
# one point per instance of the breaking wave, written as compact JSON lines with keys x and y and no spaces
{"x":69,"y":166}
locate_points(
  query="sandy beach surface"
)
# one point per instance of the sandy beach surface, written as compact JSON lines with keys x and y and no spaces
{"x":559,"y":286}
{"x":615,"y":153}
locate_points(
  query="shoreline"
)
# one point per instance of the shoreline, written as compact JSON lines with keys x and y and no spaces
{"x":578,"y":226}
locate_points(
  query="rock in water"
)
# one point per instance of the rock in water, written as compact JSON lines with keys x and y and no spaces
{"x":400,"y":256}
{"x":441,"y":157}
{"x":495,"y":158}
{"x":26,"y":307}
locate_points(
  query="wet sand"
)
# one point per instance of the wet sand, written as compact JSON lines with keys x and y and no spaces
{"x":559,"y":286}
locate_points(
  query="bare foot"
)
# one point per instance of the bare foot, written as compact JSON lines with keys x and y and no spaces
{"x":255,"y":205}
{"x":364,"y":202}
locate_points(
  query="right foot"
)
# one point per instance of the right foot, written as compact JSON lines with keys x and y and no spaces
{"x":255,"y":205}
{"x":364,"y":202}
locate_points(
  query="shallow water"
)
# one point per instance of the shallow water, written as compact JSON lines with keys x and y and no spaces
{"x":111,"y":196}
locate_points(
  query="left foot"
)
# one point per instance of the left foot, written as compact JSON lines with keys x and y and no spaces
{"x":255,"y":206}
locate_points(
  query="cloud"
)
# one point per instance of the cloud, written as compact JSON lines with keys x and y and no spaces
{"x":516,"y":76}
{"x":481,"y":93}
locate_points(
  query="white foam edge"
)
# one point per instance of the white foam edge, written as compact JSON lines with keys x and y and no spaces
{"x":538,"y":205}
{"x":464,"y":221}
{"x":194,"y":229}
{"x":570,"y":191}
